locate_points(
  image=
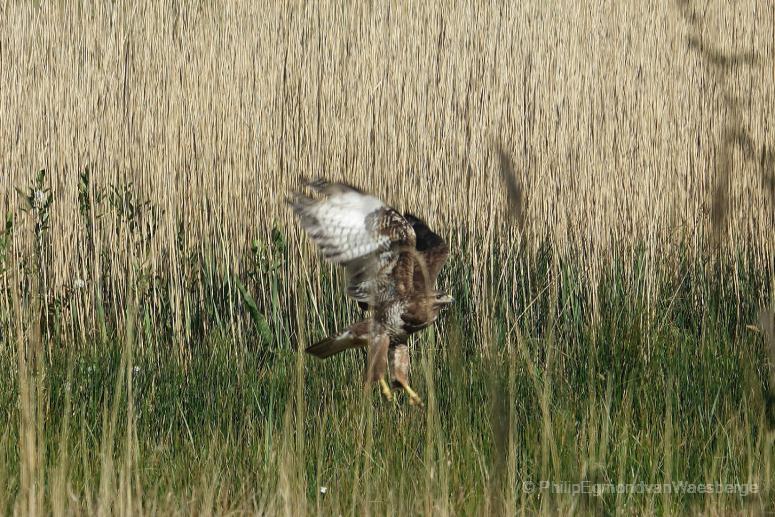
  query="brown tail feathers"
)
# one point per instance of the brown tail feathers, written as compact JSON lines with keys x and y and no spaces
{"x":356,"y":336}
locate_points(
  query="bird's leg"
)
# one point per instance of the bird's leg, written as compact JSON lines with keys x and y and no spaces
{"x":414,"y":398}
{"x":385,"y":388}
{"x":398,"y":360}
{"x":376,"y":364}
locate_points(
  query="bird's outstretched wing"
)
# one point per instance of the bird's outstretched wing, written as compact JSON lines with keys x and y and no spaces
{"x":431,"y":250}
{"x":356,"y":230}
{"x":355,"y":336}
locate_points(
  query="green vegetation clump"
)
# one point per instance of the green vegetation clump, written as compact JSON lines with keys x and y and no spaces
{"x":657,"y":390}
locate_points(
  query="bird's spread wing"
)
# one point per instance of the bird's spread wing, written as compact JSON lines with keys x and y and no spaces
{"x":355,"y":336}
{"x":433,"y":252}
{"x":356,"y":230}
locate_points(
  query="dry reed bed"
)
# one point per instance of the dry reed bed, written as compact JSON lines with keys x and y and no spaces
{"x":614,"y":123}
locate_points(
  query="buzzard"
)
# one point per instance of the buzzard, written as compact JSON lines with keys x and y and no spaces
{"x":391,"y":262}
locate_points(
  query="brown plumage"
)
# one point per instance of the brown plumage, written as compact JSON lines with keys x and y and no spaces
{"x":391,"y":261}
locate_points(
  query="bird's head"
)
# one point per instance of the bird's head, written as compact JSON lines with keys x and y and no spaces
{"x":442,"y":299}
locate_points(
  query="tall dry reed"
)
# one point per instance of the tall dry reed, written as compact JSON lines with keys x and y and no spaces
{"x":194,"y":121}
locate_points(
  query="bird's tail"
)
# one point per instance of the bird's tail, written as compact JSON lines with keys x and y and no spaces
{"x":356,"y":336}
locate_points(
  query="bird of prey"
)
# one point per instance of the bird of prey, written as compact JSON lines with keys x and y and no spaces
{"x":391,"y":263}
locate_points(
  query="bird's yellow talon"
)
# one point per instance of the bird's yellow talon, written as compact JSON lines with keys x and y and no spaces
{"x":416,"y":401}
{"x":414,"y":398}
{"x":386,"y":391}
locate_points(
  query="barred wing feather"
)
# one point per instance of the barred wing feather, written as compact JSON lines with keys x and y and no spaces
{"x":356,"y":230}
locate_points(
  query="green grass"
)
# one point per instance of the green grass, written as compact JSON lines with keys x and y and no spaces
{"x":652,"y":389}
